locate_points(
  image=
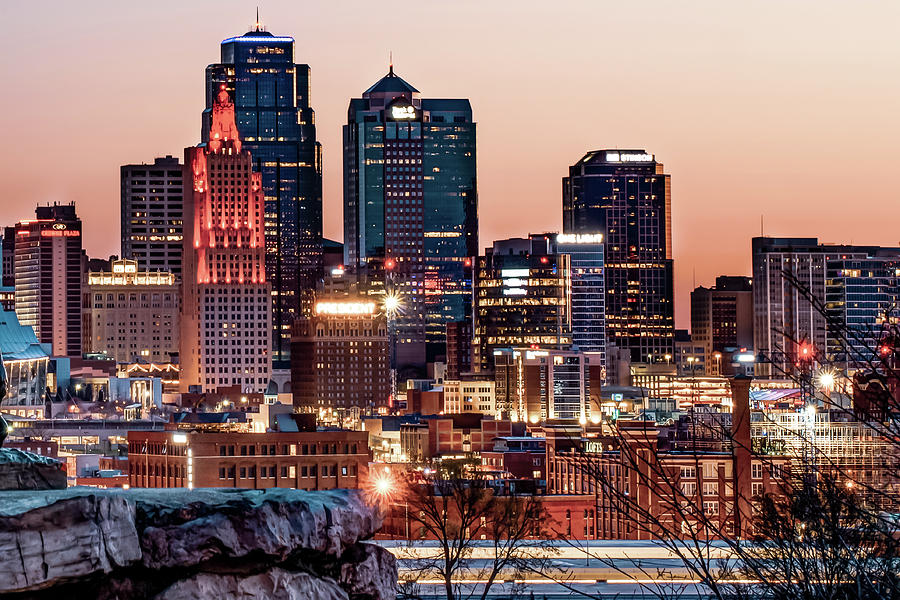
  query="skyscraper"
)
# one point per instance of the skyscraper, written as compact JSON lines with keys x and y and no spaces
{"x":271,"y":95}
{"x":626,"y":196}
{"x":853,"y":290}
{"x":588,"y":291}
{"x":787,"y":272}
{"x":861,"y":300}
{"x":340,"y":357}
{"x":226,"y":315}
{"x":410,"y":208}
{"x":721,"y":318}
{"x":48,"y":277}
{"x":522,"y":298}
{"x":8,"y":258}
{"x":152,"y":212}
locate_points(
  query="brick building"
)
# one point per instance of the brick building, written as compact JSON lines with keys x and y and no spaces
{"x":715,"y":474}
{"x":522,"y":458}
{"x":439,"y":435}
{"x":309,"y":460}
{"x":339,"y":357}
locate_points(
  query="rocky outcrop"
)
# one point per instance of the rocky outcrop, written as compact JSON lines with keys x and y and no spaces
{"x":205,"y":543}
{"x":274,"y":583}
{"x":20,"y":470}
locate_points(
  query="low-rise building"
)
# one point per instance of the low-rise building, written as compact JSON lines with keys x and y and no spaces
{"x":476,"y":395}
{"x":308,"y":460}
{"x":518,"y":457}
{"x":27,"y":362}
{"x":535,"y":385}
{"x":453,"y":435}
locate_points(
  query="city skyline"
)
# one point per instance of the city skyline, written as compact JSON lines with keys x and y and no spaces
{"x":755,"y":128}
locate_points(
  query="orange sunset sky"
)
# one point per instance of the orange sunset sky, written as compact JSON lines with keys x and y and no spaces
{"x":787,"y":109}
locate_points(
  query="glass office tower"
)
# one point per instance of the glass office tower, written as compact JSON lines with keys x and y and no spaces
{"x":626,"y":196}
{"x":410,"y":209}
{"x":277,"y":125}
{"x":588,"y":290}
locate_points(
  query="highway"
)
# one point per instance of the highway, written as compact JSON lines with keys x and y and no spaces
{"x":621,"y":569}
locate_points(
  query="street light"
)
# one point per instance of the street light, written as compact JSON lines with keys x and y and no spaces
{"x":392,"y":305}
{"x":826,"y":381}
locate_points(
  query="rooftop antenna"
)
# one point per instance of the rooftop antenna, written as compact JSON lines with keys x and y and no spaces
{"x":257,"y":19}
{"x":761,"y":227}
{"x":391,"y":63}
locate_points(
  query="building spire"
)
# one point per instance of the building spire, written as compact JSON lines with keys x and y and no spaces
{"x":257,"y":19}
{"x":391,"y":67}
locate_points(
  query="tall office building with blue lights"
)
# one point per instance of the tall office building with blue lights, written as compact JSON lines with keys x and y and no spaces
{"x":276,"y":123}
{"x":410,"y":209}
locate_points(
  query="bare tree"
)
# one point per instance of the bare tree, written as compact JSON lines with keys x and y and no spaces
{"x":482,"y":535}
{"x":817,"y":530}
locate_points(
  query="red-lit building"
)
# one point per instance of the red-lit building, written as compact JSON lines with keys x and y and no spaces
{"x":226,"y":319}
{"x":308,"y":460}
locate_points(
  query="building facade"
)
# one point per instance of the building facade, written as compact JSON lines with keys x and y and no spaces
{"x":339,"y":358}
{"x":132,"y":315}
{"x":8,"y":257}
{"x":522,"y":297}
{"x":787,"y":272}
{"x":271,"y":94}
{"x":537,"y":385}
{"x":470,"y":395}
{"x":861,"y":299}
{"x":459,"y":348}
{"x":625,"y":195}
{"x":410,"y":208}
{"x":48,"y":277}
{"x":722,"y":319}
{"x":152,"y":212}
{"x":588,"y":290}
{"x":305,"y":460}
{"x":226,"y":310}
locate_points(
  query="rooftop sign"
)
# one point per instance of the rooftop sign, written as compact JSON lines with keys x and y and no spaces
{"x":628,"y":157}
{"x":579,"y":238}
{"x":403,"y":112}
{"x":345,"y":308}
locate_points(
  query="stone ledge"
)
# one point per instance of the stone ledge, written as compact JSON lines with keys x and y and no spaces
{"x":140,"y":542}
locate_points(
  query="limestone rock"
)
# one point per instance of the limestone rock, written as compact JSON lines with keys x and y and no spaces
{"x":63,"y":540}
{"x":369,"y":572}
{"x":205,"y":543}
{"x":272,"y":584}
{"x":20,"y":470}
{"x":192,"y":527}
